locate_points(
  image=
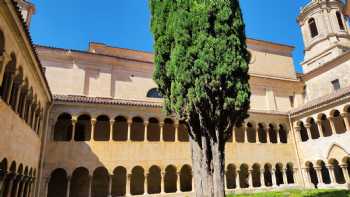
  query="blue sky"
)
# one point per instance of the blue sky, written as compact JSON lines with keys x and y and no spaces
{"x":125,"y":23}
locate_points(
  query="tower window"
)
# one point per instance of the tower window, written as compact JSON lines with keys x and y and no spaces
{"x":313,"y":27}
{"x":340,"y":20}
{"x":336,"y":84}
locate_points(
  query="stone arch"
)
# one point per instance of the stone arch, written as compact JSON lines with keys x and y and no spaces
{"x":83,"y":128}
{"x":137,"y":129}
{"x":102,"y":128}
{"x":256,"y":175}
{"x":290,"y":173}
{"x":137,"y":181}
{"x":315,"y":134}
{"x":153,"y":130}
{"x":283,"y":134}
{"x":336,"y":151}
{"x":17,"y":82}
{"x":22,"y":96}
{"x":12,"y":172}
{"x":262,"y":133}
{"x":169,"y":130}
{"x":279,"y":173}
{"x":231,"y":176}
{"x":153,"y":93}
{"x":303,"y":132}
{"x":58,"y":183}
{"x":338,"y":121}
{"x":120,"y":129}
{"x":324,"y":172}
{"x":312,"y":173}
{"x":272,"y":133}
{"x":268,"y":175}
{"x":325,"y":124}
{"x":243,"y":176}
{"x":10,"y":70}
{"x":251,"y":132}
{"x":119,"y":181}
{"x":338,"y":172}
{"x":186,"y":178}
{"x":100,"y":182}
{"x":63,"y":128}
{"x":182,"y":130}
{"x":240,"y":133}
{"x":312,"y":27}
{"x":154,"y":180}
{"x":170,"y":179}
{"x":80,"y":182}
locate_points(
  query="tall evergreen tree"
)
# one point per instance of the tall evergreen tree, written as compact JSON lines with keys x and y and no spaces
{"x":201,"y":70}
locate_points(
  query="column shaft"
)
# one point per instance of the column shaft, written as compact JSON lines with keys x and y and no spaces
{"x":68,"y":187}
{"x":74,"y":122}
{"x":177,"y":132}
{"x":331,"y":122}
{"x":129,"y":130}
{"x":273,"y":175}
{"x":18,"y":96}
{"x":331,"y":172}
{"x":93,"y":124}
{"x":346,"y":173}
{"x":320,"y":128}
{"x":250,"y":178}
{"x":9,"y":90}
{"x":319,"y":175}
{"x":146,"y":131}
{"x":128,"y":177}
{"x":285,"y":179}
{"x":257,"y":136}
{"x":145,"y":187}
{"x":238,"y":185}
{"x":161,"y":132}
{"x":10,"y":187}
{"x":308,"y":129}
{"x":346,"y":121}
{"x":111,"y":128}
{"x":178,"y":183}
{"x":262,"y":178}
{"x":90,"y":186}
{"x":162,"y":183}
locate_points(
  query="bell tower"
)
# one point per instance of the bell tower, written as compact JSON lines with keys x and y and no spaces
{"x":325,"y":32}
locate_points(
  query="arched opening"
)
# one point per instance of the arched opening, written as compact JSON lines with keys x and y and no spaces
{"x":324,"y":172}
{"x":290,"y":173}
{"x":170,"y":180}
{"x":182,"y":132}
{"x":137,"y":181}
{"x":251,"y":133}
{"x":303,"y":132}
{"x":154,"y":180}
{"x":314,"y":129}
{"x":120,"y":129}
{"x":279,"y":174}
{"x":169,"y":130}
{"x":10,"y":70}
{"x":312,"y":174}
{"x":153,"y":130}
{"x":256,"y":175}
{"x":80,"y":183}
{"x":338,"y":172}
{"x":100,"y":182}
{"x":102,"y":128}
{"x":57,"y":184}
{"x":339,"y":123}
{"x":262,"y":133}
{"x":283,"y":134}
{"x":83,"y":128}
{"x":243,"y":176}
{"x":239,"y":134}
{"x":272,"y":134}
{"x":119,"y":181}
{"x":231,"y":176}
{"x":63,"y":128}
{"x":22,"y":101}
{"x":154,"y":93}
{"x":18,"y":80}
{"x":16,"y":181}
{"x":137,"y":129}
{"x":340,"y":20}
{"x":267,"y":175}
{"x":12,"y":172}
{"x":313,"y":27}
{"x":186,"y":178}
{"x":326,"y":126}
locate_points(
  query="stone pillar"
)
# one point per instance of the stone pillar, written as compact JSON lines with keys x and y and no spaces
{"x":93,"y":124}
{"x":273,"y":176}
{"x":24,"y":106}
{"x":17,"y":184}
{"x":250,"y":178}
{"x":319,"y":175}
{"x":320,"y":128}
{"x":74,"y":122}
{"x":346,"y":120}
{"x":111,"y":129}
{"x":30,"y":108}
{"x":90,"y":186}
{"x":145,"y":186}
{"x":344,"y":168}
{"x":331,"y":122}
{"x":161,"y":133}
{"x":308,"y":129}
{"x":128,"y":179}
{"x":129,"y":130}
{"x":193,"y":185}
{"x":18,"y":96}
{"x":285,"y":178}
{"x":22,"y":186}
{"x":238,"y":185}
{"x":2,"y":181}
{"x":296,"y":177}
{"x":178,"y":183}
{"x":146,"y":131}
{"x":297,"y":132}
{"x":257,"y":136}
{"x":331,"y":173}
{"x":9,"y":90}
{"x":262,"y":178}
{"x":234,"y":135}
{"x":68,"y":186}
{"x":307,"y":176}
{"x":268,"y":141}
{"x":225,"y":180}
{"x":10,"y":185}
{"x":245,"y":133}
{"x":278,"y":137}
{"x":177,"y":131}
{"x":4,"y":60}
{"x":110,"y":181}
{"x":162,"y":175}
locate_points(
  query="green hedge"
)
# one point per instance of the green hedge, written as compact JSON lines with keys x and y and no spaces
{"x":298,"y":193}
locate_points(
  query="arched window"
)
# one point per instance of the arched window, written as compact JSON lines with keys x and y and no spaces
{"x":63,"y":128}
{"x":313,"y":27}
{"x":340,"y":20}
{"x":153,"y":93}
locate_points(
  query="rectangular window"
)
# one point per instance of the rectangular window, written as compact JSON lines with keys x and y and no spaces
{"x":291,"y":99}
{"x":336,"y":84}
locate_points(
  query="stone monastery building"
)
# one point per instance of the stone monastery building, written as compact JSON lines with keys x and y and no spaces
{"x":90,"y":123}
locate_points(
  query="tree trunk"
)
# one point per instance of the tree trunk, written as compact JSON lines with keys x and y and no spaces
{"x":208,"y":168}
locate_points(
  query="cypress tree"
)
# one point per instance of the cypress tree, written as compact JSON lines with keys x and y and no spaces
{"x":201,"y":69}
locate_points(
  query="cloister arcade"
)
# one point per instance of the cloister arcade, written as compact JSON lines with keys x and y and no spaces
{"x":16,"y":180}
{"x":137,"y":129}
{"x":16,"y":90}
{"x":337,"y":122}
{"x":156,"y":180}
{"x":331,"y":172}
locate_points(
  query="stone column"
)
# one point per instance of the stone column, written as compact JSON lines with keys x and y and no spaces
{"x":127,"y":190}
{"x":17,"y":184}
{"x":319,"y":175}
{"x":18,"y":96}
{"x":257,"y":136}
{"x":297,"y":132}
{"x":344,"y":168}
{"x":296,"y":177}
{"x":238,"y":185}
{"x":268,"y":141}
{"x":4,"y":60}
{"x":9,"y":90}
{"x":225,"y":180}
{"x":161,"y":125}
{"x":245,"y":133}
{"x":145,"y":187}
{"x":129,"y":130}
{"x":177,"y":131}
{"x":74,"y":122}
{"x":346,"y":120}
{"x":93,"y":124}
{"x":307,"y":176}
{"x":193,"y":185}
{"x":273,"y":176}
{"x":319,"y":126}
{"x":111,"y":128}
{"x":162,"y":189}
{"x":90,"y":186}
{"x":331,"y":173}
{"x":110,"y":181}
{"x":178,"y":183}
{"x":278,"y":137}
{"x":10,"y":185}
{"x":262,"y":178}
{"x":146,"y":130}
{"x":22,"y":186}
{"x":285,"y":178}
{"x":308,"y":129}
{"x":250,"y":178}
{"x":68,"y":186}
{"x":30,"y":108}
{"x":233,"y":135}
{"x":331,"y":122}
{"x":2,"y":181}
